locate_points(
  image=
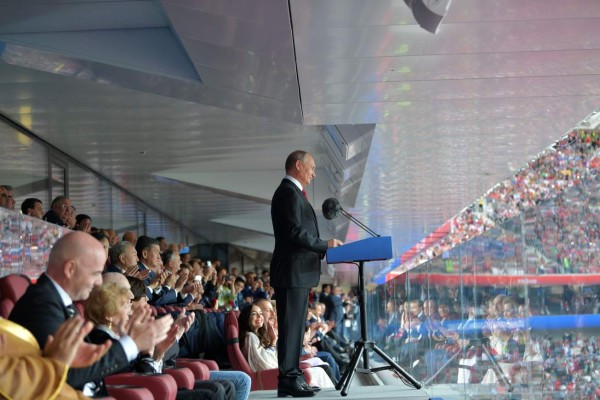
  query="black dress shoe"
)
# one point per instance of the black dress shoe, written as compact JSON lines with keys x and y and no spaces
{"x":294,"y":391}
{"x":315,"y":389}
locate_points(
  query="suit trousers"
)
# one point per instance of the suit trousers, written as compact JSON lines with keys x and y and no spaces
{"x":292,"y":306}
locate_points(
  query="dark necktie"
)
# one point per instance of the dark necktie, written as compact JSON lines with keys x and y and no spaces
{"x":71,"y":310}
{"x":305,"y":195}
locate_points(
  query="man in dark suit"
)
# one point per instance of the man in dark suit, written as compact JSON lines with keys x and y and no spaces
{"x":74,"y":267}
{"x":295,"y":267}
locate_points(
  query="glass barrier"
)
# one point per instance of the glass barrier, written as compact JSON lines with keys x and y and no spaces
{"x":512,"y":313}
{"x":25,"y":243}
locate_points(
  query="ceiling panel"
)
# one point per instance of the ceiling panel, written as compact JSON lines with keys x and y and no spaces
{"x":455,"y":112}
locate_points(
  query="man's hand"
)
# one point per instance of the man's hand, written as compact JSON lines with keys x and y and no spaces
{"x":161,"y":347}
{"x":67,"y":345}
{"x":184,"y":322}
{"x":135,"y":272}
{"x":88,"y":354}
{"x":145,"y":331}
{"x":171,"y":280}
{"x":181,"y":281}
{"x":334,"y":243}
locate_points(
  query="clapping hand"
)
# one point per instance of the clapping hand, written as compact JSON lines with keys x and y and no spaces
{"x":67,"y":346}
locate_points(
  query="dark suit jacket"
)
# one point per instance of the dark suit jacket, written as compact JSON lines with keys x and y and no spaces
{"x":41,"y":310}
{"x":335,"y":309}
{"x":113,"y":268}
{"x":296,"y":261}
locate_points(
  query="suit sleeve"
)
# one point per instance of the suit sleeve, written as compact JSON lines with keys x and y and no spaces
{"x":115,"y":360}
{"x":291,"y":214}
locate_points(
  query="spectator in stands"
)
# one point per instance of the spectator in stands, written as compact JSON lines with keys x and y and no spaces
{"x":238,"y":285}
{"x":112,"y":236}
{"x":334,"y":309}
{"x":258,"y":342}
{"x":3,"y":198}
{"x":325,"y":292}
{"x":325,"y":341}
{"x":185,"y":255}
{"x":83,"y":223}
{"x":103,"y":240}
{"x":248,"y":291}
{"x":130,"y":236}
{"x":124,"y":259}
{"x":10,"y":196}
{"x":390,"y":325}
{"x":61,"y":213}
{"x":33,"y":207}
{"x":162,"y":242}
{"x":177,"y":279}
{"x":75,"y":266}
{"x":29,"y":373}
{"x":210,"y":278}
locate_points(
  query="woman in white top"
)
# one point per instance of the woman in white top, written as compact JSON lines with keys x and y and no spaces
{"x":259,"y":340}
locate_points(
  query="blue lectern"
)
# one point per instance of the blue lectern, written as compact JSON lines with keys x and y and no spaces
{"x":371,"y":249}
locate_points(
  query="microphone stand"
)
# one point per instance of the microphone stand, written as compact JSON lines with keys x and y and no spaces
{"x":357,"y":222}
{"x":363,"y":345}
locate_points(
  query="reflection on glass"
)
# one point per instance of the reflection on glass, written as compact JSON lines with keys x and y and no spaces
{"x":58,"y":176}
{"x":515,"y":307}
{"x":25,"y":243}
{"x":91,"y":195}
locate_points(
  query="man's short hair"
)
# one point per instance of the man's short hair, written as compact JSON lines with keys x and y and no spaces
{"x":116,"y":251}
{"x":29,"y":203}
{"x":167,"y":256}
{"x":144,"y":243}
{"x":58,"y":200}
{"x":293,"y":157}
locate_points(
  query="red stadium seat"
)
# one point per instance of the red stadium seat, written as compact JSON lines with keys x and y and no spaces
{"x":12,"y":287}
{"x":183,"y":376}
{"x":126,"y":392}
{"x":161,"y":386}
{"x":199,"y":369}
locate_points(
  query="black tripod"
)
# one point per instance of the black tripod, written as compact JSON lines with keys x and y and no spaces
{"x":483,"y":344}
{"x":363,"y":345}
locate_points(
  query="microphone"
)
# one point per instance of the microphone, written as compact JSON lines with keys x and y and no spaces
{"x":332,"y":209}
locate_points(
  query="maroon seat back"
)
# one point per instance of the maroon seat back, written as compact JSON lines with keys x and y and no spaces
{"x":183,"y":376}
{"x":161,"y":386}
{"x":234,"y":352}
{"x":12,"y":287}
{"x":200,"y":370}
{"x":126,"y":392}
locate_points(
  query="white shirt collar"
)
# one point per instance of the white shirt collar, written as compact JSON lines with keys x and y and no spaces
{"x":67,"y":301}
{"x":295,"y":182}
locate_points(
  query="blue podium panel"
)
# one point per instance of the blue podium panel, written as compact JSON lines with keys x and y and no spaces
{"x":371,"y":249}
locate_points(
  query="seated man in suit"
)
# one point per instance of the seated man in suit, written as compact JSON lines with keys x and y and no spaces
{"x":74,"y":267}
{"x":123,"y":258}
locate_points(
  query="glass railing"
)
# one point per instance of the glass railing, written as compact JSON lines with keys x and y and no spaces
{"x":512,"y":313}
{"x":25,"y":243}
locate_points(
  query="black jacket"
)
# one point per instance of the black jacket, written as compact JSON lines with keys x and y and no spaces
{"x":296,"y":260}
